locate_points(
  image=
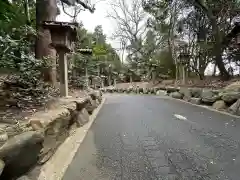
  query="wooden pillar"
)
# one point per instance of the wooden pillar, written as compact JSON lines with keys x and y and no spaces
{"x":131,"y":79}
{"x":86,"y":76}
{"x":183,"y":75}
{"x":109,"y":80}
{"x":98,"y":70}
{"x":154,"y":76}
{"x":63,"y":74}
{"x":102,"y":82}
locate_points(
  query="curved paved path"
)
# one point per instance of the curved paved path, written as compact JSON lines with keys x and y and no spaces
{"x":150,"y":138}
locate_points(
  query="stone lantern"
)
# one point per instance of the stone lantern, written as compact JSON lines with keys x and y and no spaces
{"x":103,"y":78}
{"x":183,"y":61}
{"x":98,"y":65}
{"x":115,"y":75}
{"x":154,"y":68}
{"x":130,"y":71}
{"x":87,"y":52}
{"x":63,"y":35}
{"x":109,"y":74}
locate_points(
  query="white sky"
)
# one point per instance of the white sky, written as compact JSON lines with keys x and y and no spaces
{"x":90,"y":21}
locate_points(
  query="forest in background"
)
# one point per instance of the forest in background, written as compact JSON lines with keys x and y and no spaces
{"x":151,"y":34}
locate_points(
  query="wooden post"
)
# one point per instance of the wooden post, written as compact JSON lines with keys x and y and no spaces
{"x":98,"y":70}
{"x":131,"y":79}
{"x":154,"y":76}
{"x":109,"y":80}
{"x":86,"y":74}
{"x":102,"y":82}
{"x":183,"y":74}
{"x":63,"y":74}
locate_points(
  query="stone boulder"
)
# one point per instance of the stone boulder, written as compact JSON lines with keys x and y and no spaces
{"x":118,"y":90}
{"x":230,"y":97}
{"x":171,"y":89}
{"x":97,"y":102}
{"x":219,"y":105}
{"x":20,"y":153}
{"x":129,"y":90}
{"x":161,"y":93}
{"x":23,"y":178}
{"x":162,"y":87}
{"x":103,"y":90}
{"x":151,"y":91}
{"x":156,"y":89}
{"x":2,"y":165}
{"x":109,"y":90}
{"x":168,"y":82}
{"x":96,"y":95}
{"x":79,"y":118}
{"x":195,"y":101}
{"x":209,"y":96}
{"x":196,"y":92}
{"x":91,"y":105}
{"x":233,"y":87}
{"x":3,"y":135}
{"x":187,"y":94}
{"x":235,"y":108}
{"x":136,"y":90}
{"x":145,"y":91}
{"x":176,"y":95}
{"x":141,"y":90}
{"x":83,"y":116}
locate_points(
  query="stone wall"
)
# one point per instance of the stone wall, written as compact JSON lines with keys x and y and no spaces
{"x":226,"y":99}
{"x":38,"y":139}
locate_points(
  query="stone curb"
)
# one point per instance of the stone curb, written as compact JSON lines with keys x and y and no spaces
{"x":56,"y":167}
{"x":201,"y":106}
{"x":41,"y":119}
{"x":55,"y":126}
{"x":225,"y":102}
{"x":168,"y":90}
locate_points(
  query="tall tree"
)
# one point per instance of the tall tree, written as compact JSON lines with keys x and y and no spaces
{"x":130,"y":20}
{"x":47,"y":10}
{"x":220,"y":15}
{"x":164,"y":19}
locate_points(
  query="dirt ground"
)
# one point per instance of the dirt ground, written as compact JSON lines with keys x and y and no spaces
{"x":13,"y":115}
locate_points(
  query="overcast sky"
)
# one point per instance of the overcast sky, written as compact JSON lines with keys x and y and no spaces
{"x":90,"y":21}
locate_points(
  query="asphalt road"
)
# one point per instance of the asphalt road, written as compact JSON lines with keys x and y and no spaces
{"x":150,"y":138}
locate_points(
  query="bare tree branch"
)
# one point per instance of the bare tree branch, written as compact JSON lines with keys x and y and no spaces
{"x":130,"y":24}
{"x":86,"y":6}
{"x":83,"y":4}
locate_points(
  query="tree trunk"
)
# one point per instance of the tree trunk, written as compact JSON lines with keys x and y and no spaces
{"x":218,"y":47}
{"x":171,"y":40}
{"x":218,"y":51}
{"x":201,"y":73}
{"x":202,"y":66}
{"x":220,"y":64}
{"x":46,"y":10}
